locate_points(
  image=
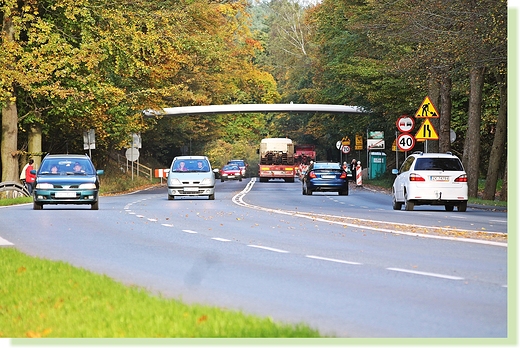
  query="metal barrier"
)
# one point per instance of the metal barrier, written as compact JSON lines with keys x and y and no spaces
{"x":12,"y":189}
{"x":134,"y":167}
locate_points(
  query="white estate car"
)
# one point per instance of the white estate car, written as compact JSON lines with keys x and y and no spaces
{"x":191,"y":176}
{"x":430,"y":179}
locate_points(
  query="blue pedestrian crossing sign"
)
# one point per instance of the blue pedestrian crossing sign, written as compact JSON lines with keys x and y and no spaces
{"x":426,"y":132}
{"x":427,"y":109}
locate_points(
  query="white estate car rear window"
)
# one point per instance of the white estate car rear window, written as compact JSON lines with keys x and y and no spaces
{"x":445,"y":164}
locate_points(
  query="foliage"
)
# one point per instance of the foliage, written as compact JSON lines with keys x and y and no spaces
{"x":97,"y":64}
{"x":386,"y":56}
{"x":94,"y":64}
{"x":220,"y":152}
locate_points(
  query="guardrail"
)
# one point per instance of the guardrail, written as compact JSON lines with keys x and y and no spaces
{"x":12,"y":189}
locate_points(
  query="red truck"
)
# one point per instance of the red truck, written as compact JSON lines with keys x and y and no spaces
{"x":303,"y":155}
{"x":276,"y":159}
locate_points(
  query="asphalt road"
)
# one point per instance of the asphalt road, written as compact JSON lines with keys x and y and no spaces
{"x":348,"y":266}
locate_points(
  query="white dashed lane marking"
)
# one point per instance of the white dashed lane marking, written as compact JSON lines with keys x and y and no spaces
{"x":267,"y":248}
{"x":5,"y":242}
{"x":332,"y":260}
{"x":436,"y":275}
{"x":221,"y":239}
{"x":239,"y":198}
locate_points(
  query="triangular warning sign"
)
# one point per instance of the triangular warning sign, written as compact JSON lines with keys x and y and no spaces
{"x":426,"y":132}
{"x":427,"y":109}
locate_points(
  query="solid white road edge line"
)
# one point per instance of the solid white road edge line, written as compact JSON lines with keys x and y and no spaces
{"x":238,"y":199}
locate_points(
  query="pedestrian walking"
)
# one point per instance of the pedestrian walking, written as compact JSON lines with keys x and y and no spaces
{"x":29,"y":177}
{"x":22,"y":173}
{"x":353,"y":165}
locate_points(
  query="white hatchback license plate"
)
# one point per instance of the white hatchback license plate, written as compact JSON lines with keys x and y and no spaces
{"x":191,"y":189}
{"x":440,"y":178}
{"x":68,"y":194}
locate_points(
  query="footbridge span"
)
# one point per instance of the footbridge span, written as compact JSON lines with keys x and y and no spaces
{"x":255,"y":108}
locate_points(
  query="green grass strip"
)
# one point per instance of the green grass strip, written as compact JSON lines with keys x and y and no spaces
{"x":42,"y":298}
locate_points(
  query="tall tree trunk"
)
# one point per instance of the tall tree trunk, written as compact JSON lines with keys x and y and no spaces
{"x":499,"y":144}
{"x":471,"y":156}
{"x":8,"y":147}
{"x":35,"y":143}
{"x":503,"y":192}
{"x":9,"y":144}
{"x":445,"y":115}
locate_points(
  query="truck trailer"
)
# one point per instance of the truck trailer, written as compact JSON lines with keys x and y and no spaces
{"x":304,"y":154}
{"x":276,"y":159}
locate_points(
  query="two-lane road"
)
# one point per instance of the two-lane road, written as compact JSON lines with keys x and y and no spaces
{"x":248,"y":250}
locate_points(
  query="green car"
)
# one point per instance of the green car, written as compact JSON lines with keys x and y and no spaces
{"x":66,"y":179}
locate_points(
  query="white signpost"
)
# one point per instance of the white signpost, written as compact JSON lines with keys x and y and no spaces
{"x":132,"y":154}
{"x":89,"y":141}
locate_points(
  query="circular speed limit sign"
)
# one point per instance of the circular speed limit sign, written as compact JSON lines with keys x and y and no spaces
{"x":405,"y":142}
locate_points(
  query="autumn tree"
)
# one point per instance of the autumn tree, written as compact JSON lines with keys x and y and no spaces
{"x":392,"y":53}
{"x":97,"y":65}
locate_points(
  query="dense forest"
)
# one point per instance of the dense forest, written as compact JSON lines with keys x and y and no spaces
{"x":70,"y":66}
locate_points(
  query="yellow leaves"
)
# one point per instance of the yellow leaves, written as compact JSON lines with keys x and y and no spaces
{"x":59,"y":303}
{"x":21,"y":269}
{"x":202,"y":319}
{"x":38,"y":334}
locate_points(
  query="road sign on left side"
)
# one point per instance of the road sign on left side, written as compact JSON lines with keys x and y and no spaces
{"x":132,"y":154}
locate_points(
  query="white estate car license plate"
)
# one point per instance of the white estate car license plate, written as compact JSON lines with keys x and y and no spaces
{"x":440,"y":178}
{"x":191,"y":189}
{"x":67,"y":194}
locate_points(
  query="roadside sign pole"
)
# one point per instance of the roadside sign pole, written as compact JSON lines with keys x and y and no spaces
{"x":396,"y":152}
{"x":368,"y":154}
{"x":132,"y":162}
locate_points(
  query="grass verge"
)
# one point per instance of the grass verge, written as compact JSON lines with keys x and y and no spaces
{"x":42,"y":298}
{"x":13,"y":201}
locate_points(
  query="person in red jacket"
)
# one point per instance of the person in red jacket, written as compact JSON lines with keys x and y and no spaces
{"x":29,"y":178}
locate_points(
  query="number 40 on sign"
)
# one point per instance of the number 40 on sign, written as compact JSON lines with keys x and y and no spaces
{"x":405,"y":142}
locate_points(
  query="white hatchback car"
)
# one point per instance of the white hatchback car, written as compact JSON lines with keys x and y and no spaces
{"x":430,"y":179}
{"x":191,"y":176}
